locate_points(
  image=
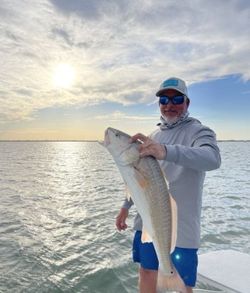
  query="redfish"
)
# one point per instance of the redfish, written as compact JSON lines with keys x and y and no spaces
{"x":148,"y":189}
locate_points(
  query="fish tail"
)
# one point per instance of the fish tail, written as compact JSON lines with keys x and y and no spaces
{"x":171,"y":282}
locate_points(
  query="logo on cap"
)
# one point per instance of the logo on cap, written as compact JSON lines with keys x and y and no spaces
{"x":170,"y":82}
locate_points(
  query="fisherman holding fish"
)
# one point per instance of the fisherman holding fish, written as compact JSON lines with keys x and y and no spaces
{"x":185,"y":150}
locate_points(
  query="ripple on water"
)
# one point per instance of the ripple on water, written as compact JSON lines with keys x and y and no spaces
{"x":57,"y":217}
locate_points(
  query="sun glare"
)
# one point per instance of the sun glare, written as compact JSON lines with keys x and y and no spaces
{"x":63,"y":76}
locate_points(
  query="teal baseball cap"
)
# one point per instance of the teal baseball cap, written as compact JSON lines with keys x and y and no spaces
{"x":175,"y":84}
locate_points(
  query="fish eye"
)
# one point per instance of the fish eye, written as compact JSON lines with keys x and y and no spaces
{"x":116,"y":134}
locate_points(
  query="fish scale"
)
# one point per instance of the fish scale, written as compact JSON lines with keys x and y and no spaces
{"x":159,"y":203}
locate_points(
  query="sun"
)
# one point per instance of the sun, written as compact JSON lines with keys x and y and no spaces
{"x":63,"y":76}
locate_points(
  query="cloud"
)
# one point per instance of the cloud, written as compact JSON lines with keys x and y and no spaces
{"x":121,"y":116}
{"x":121,"y":50}
{"x":86,"y":9}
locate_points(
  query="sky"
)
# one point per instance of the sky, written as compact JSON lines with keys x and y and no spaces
{"x":70,"y":69}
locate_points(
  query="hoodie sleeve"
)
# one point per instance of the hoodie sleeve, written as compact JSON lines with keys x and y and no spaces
{"x":127,"y":204}
{"x":203,"y":154}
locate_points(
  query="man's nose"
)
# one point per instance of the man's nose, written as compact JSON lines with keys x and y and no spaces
{"x":169,"y":104}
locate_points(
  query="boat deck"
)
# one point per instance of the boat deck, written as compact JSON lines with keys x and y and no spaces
{"x":226,"y":270}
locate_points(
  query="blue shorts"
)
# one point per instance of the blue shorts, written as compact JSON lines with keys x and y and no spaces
{"x":185,"y":260}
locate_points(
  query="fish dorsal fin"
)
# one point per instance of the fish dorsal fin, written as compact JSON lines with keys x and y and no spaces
{"x":145,"y":237}
{"x":174,"y":222}
{"x":140,"y":178}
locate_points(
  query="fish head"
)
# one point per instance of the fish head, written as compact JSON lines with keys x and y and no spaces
{"x":118,"y":144}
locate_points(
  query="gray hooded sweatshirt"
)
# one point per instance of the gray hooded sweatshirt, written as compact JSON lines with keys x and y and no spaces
{"x":191,"y":151}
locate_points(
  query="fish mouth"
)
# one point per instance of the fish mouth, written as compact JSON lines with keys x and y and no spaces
{"x":106,"y":141}
{"x":107,"y":134}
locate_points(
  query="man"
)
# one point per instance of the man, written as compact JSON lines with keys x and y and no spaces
{"x":185,"y":149}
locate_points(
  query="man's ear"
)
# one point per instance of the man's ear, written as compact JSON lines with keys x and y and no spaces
{"x":188,"y":101}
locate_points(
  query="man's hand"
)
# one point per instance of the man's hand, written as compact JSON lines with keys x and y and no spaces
{"x":149,"y":147}
{"x":121,"y":219}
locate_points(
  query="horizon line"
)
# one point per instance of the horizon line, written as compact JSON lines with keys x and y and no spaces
{"x":92,"y":140}
{"x":49,"y":140}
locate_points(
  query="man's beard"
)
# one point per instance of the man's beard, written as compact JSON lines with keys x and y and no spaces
{"x":167,"y":123}
{"x":172,"y":120}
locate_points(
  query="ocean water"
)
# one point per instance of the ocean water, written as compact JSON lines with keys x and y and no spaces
{"x":58,"y":203}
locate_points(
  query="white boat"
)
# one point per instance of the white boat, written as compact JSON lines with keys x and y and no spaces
{"x":226,"y":271}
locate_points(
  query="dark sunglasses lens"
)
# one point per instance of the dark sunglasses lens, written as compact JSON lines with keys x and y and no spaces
{"x":164,"y":100}
{"x":177,"y":100}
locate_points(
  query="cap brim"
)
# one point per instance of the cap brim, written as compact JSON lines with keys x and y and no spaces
{"x":159,"y":93}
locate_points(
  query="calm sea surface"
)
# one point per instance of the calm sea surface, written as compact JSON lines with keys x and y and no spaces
{"x":58,"y":202}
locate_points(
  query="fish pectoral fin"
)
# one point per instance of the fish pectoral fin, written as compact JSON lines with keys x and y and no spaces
{"x":145,"y":237}
{"x":174,"y":223}
{"x":140,"y":178}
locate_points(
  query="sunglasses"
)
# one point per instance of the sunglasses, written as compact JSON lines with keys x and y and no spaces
{"x":176,"y":100}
